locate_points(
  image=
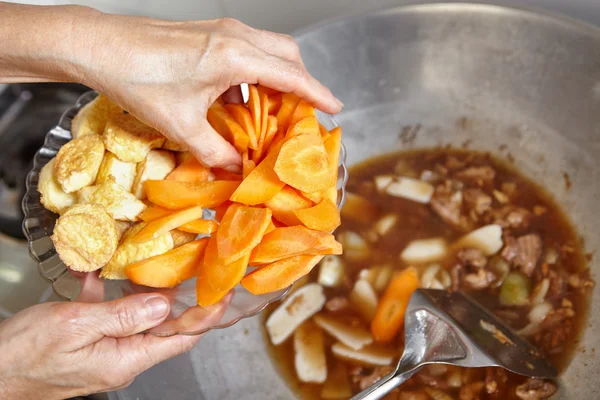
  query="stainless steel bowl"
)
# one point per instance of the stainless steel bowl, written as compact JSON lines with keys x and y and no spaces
{"x":488,"y":75}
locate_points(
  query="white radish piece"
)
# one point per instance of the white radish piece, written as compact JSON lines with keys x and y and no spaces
{"x":355,"y":247}
{"x":411,"y":189}
{"x":382,"y":182}
{"x":369,"y":274}
{"x":309,"y":353}
{"x":337,"y":385}
{"x":296,"y":309}
{"x":372,"y":355}
{"x":354,"y":337}
{"x":383,"y":278}
{"x":429,"y":275}
{"x":331,"y":271}
{"x":488,"y":239}
{"x":424,"y":251}
{"x":364,"y":299}
{"x":385,"y":224}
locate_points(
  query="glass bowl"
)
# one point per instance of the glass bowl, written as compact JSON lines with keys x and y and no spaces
{"x":186,"y":317}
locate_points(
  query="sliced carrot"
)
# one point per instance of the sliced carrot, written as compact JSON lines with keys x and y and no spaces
{"x":167,"y":223}
{"x":226,"y":126}
{"x":220,"y":210}
{"x":271,"y":131}
{"x":303,"y":110}
{"x":199,"y":226}
{"x":224,"y":175}
{"x":241,"y":229}
{"x":274,"y":103}
{"x":325,"y":216}
{"x":331,"y":194}
{"x":284,"y":203}
{"x":323,"y":131}
{"x":205,"y":295}
{"x":168,"y":269}
{"x":389,"y":316}
{"x":266,"y":90}
{"x":293,"y":241}
{"x":262,"y":183}
{"x":333,"y":144}
{"x":302,"y":163}
{"x":289,"y":102}
{"x":221,"y":276}
{"x":271,"y":227}
{"x":315,"y":197}
{"x":190,"y":170}
{"x":243,"y":117}
{"x":248,"y":166}
{"x":254,"y":107}
{"x":357,"y":208}
{"x":175,"y":195}
{"x":264,"y":116}
{"x":308,"y":125}
{"x":280,"y":274}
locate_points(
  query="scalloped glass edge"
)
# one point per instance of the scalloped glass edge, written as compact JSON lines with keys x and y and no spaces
{"x":38,"y":224}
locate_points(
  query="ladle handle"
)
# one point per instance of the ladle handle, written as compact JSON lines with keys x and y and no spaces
{"x":387,"y":383}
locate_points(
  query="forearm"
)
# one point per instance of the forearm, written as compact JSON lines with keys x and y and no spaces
{"x":44,"y":44}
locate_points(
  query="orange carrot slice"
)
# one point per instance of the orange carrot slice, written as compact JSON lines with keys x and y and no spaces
{"x":323,"y":217}
{"x":175,"y":195}
{"x":333,"y":144}
{"x":331,"y":194}
{"x":284,"y":203}
{"x":323,"y":131}
{"x":207,"y":296}
{"x":241,"y":229}
{"x":303,"y":110}
{"x":221,"y":277}
{"x":247,"y":167}
{"x":357,"y":208}
{"x":254,"y":107}
{"x":315,"y":197}
{"x":221,"y":209}
{"x":308,"y":125}
{"x":199,"y":226}
{"x":190,"y":170}
{"x":224,"y":123}
{"x":293,"y":241}
{"x":243,"y":117}
{"x":167,"y":223}
{"x":264,"y":115}
{"x":168,"y":269}
{"x":302,"y":163}
{"x":262,"y":183}
{"x":224,"y":175}
{"x":280,"y":274}
{"x":274,"y":103}
{"x":289,"y":102}
{"x":266,"y":90}
{"x":389,"y":316}
{"x":271,"y":227}
{"x":271,"y":131}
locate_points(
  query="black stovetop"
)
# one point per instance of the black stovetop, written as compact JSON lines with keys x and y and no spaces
{"x":27,"y":113}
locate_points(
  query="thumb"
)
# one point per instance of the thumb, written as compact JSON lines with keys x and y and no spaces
{"x":127,"y":316}
{"x":210,"y":148}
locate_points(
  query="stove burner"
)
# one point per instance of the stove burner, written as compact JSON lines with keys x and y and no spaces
{"x":27,"y":113}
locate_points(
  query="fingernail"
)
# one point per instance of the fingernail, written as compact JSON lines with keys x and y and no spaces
{"x":339,"y":103}
{"x":157,"y":307}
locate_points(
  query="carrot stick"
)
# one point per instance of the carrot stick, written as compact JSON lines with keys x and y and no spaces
{"x":284,"y":203}
{"x":199,"y":226}
{"x":289,"y":102}
{"x":190,"y":170}
{"x":175,"y":195}
{"x":243,"y":117}
{"x":274,"y":103}
{"x":325,"y":216}
{"x":224,"y":123}
{"x":167,"y":223}
{"x":221,"y":276}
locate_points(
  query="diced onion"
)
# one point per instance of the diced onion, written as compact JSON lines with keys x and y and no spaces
{"x":385,"y":224}
{"x":331,"y":271}
{"x":488,"y":239}
{"x":424,"y":251}
{"x":411,"y":189}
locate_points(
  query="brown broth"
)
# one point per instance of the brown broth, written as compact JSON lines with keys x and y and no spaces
{"x":418,"y":221}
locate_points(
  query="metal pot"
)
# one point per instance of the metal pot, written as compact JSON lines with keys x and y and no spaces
{"x":454,"y":73}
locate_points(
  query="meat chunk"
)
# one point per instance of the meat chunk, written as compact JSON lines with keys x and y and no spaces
{"x":480,"y":176}
{"x":447,"y":203}
{"x":472,"y":258}
{"x":556,"y":330}
{"x":523,"y":252}
{"x":536,"y":389}
{"x":479,"y":280}
{"x":364,"y":377}
{"x":510,"y":217}
{"x":337,"y":304}
{"x":477,"y":200}
{"x":456,"y":275}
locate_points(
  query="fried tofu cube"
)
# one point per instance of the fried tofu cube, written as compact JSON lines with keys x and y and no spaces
{"x":130,"y":139}
{"x":119,"y":203}
{"x":92,"y":117}
{"x":157,"y":165}
{"x":130,"y":252}
{"x":53,"y":197}
{"x":173,"y":145}
{"x":122,"y":227}
{"x":122,"y":171}
{"x":180,"y":237}
{"x":85,"y":237}
{"x":77,"y":162}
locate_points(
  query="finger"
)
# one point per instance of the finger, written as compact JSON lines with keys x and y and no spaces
{"x":233,"y":95}
{"x":92,"y":288}
{"x":124,"y":317}
{"x":288,"y":76}
{"x":210,"y":148}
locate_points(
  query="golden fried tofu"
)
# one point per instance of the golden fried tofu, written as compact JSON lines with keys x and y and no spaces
{"x":85,"y":237}
{"x":130,"y":139}
{"x":173,"y":145}
{"x":92,"y":117}
{"x":129,"y":252}
{"x":53,"y":197}
{"x":122,"y":171}
{"x":77,"y":162}
{"x":157,"y":165}
{"x":119,"y":203}
{"x":122,"y":227}
{"x":180,"y":237}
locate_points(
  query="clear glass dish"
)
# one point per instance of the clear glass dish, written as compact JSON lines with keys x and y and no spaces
{"x":186,"y":316}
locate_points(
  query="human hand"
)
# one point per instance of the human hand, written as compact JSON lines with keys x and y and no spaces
{"x":168,"y":73}
{"x":62,"y":350}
